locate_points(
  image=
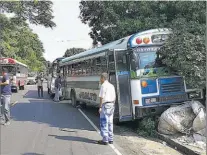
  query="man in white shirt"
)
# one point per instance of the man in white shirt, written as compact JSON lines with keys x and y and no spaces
{"x":107,"y":104}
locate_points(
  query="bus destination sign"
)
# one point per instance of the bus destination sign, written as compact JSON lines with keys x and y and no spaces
{"x":146,"y":49}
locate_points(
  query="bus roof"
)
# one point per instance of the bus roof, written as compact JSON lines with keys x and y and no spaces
{"x":122,"y":43}
{"x":58,"y":59}
{"x":12,"y":61}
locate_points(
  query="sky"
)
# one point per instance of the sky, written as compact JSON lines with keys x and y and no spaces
{"x":69,"y":27}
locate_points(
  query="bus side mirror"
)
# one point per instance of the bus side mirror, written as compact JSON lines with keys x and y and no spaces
{"x":133,"y":65}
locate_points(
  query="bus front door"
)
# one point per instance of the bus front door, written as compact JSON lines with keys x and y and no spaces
{"x":119,"y":76}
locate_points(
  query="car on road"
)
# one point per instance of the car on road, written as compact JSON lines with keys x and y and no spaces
{"x":31,"y":79}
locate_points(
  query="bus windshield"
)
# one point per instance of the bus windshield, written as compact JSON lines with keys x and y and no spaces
{"x":147,"y":59}
{"x":11,"y":69}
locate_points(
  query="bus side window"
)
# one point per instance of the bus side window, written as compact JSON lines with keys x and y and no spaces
{"x":98,"y":65}
{"x":93,"y":66}
{"x":103,"y":64}
{"x":88,"y":69}
{"x":69,"y":70}
{"x":79,"y":68}
{"x":84,"y":67}
{"x":72,"y":70}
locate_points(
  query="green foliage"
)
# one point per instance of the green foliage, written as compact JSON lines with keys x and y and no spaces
{"x":19,"y":42}
{"x":147,"y":127}
{"x":185,"y":51}
{"x":36,"y":12}
{"x":73,"y":51}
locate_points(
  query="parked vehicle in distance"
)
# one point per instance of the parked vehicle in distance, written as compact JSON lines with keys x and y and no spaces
{"x":17,"y":71}
{"x":31,"y":79}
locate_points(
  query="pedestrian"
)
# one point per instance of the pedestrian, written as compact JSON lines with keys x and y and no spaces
{"x":5,"y":97}
{"x":57,"y":88}
{"x":40,"y":85}
{"x":107,"y":104}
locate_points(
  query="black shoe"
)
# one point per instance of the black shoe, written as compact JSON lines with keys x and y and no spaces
{"x":102,"y":142}
{"x":111,"y":142}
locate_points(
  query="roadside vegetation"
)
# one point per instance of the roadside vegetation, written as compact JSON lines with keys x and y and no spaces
{"x":16,"y":38}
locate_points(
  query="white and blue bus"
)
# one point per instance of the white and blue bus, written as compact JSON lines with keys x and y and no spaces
{"x":143,"y":86}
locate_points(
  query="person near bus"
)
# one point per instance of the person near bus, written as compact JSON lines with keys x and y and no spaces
{"x":5,"y":97}
{"x":107,"y":104}
{"x":57,"y":88}
{"x":40,"y":85}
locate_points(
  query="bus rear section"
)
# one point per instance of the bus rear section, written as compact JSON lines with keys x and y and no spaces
{"x":17,"y":72}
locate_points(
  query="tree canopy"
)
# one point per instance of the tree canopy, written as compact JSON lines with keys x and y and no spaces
{"x":184,"y":52}
{"x":19,"y":42}
{"x":73,"y":51}
{"x":36,"y":12}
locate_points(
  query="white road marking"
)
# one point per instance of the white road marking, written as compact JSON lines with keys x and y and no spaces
{"x":14,"y":103}
{"x":111,"y":145}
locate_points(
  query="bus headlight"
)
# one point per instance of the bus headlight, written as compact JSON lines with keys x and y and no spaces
{"x":148,"y":86}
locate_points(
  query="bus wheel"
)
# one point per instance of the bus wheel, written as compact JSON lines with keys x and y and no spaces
{"x":73,"y":99}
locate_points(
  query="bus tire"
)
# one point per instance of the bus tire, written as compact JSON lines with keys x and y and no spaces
{"x":73,"y":99}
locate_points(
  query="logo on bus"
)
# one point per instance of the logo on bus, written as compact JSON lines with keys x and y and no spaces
{"x":88,"y":96}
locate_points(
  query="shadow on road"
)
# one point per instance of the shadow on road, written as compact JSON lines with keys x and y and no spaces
{"x":62,"y":116}
{"x":34,"y":94}
{"x":75,"y":139}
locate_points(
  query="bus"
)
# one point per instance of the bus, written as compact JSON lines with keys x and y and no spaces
{"x":143,"y":86}
{"x":17,"y":71}
{"x":52,"y":74}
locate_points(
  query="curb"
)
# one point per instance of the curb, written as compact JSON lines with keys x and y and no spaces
{"x":177,"y":146}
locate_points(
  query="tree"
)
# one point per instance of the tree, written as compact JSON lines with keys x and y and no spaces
{"x":36,"y":12}
{"x":73,"y":51}
{"x":114,"y":20}
{"x":19,"y":42}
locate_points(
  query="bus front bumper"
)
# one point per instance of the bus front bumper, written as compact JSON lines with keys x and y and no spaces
{"x":141,"y":112}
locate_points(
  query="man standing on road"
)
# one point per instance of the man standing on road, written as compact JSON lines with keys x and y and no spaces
{"x":57,"y":88}
{"x":107,"y":103}
{"x":40,"y":85}
{"x":5,"y":97}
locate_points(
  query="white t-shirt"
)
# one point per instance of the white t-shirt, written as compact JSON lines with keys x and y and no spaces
{"x":107,"y":92}
{"x":39,"y":81}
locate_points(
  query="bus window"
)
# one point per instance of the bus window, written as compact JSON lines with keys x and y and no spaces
{"x":88,"y":69}
{"x":147,"y":60}
{"x":73,"y":69}
{"x":103,"y":64}
{"x":84,"y":67}
{"x":98,"y":65}
{"x":79,"y":68}
{"x":121,"y":61}
{"x":69,"y":70}
{"x":93,"y":66}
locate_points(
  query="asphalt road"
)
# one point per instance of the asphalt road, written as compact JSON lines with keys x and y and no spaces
{"x":40,"y":126}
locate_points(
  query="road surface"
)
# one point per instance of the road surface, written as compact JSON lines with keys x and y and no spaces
{"x":40,"y":126}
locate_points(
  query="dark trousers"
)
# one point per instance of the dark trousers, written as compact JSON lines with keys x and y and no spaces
{"x":40,"y":89}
